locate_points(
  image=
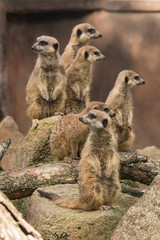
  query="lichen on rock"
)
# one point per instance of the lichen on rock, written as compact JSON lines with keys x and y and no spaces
{"x":54,"y":222}
{"x":35,"y":146}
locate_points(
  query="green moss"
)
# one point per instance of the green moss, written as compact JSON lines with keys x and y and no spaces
{"x":130,"y":183}
{"x":35,"y":148}
{"x":21,"y":205}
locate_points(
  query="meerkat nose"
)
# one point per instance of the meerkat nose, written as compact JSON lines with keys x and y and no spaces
{"x":143,"y":82}
{"x":112,"y":114}
{"x":100,"y":35}
{"x":32,"y":47}
{"x":80,"y":119}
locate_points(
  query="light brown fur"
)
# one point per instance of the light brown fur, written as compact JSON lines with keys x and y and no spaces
{"x":120,"y":101}
{"x":45,"y":92}
{"x":79,"y":76}
{"x":98,"y":175}
{"x":69,"y":134}
{"x":82,"y":34}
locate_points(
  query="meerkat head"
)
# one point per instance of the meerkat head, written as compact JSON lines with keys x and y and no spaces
{"x":47,"y":46}
{"x":130,"y":78}
{"x":96,"y":105}
{"x":90,"y":54}
{"x":96,"y":119}
{"x":84,"y":33}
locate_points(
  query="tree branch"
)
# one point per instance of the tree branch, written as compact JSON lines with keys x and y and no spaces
{"x":21,"y":183}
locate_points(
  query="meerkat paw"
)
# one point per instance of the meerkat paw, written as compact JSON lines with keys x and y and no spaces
{"x":121,"y":128}
{"x":106,"y":207}
{"x":35,"y":123}
{"x":68,"y":160}
{"x":58,"y":114}
{"x":129,"y":127}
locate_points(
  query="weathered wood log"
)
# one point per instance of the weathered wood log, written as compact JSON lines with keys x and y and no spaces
{"x":138,"y":167}
{"x":21,"y":183}
{"x":4,"y":147}
{"x":12,"y":225}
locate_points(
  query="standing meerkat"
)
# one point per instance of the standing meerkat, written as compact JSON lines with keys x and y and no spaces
{"x":120,"y":101}
{"x":79,"y":76}
{"x":98,"y":175}
{"x":82,"y":34}
{"x":69,"y":134}
{"x":45,"y":92}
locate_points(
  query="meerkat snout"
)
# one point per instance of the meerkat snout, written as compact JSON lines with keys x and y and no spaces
{"x":100,"y":35}
{"x":112,"y":114}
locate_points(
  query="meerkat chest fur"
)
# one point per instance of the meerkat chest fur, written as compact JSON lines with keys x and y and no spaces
{"x":99,"y":151}
{"x":126,"y":105}
{"x":50,"y":74}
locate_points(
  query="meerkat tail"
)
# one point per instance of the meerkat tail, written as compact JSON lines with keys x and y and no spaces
{"x":58,"y":201}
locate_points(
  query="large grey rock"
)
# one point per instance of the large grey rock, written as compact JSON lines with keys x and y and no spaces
{"x":54,"y":222}
{"x":35,"y":147}
{"x":151,"y":151}
{"x":9,"y":129}
{"x":142,"y":221}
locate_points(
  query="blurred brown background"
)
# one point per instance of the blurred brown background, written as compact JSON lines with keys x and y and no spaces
{"x":131,"y":40}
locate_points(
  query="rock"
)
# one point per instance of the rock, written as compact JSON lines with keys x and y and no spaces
{"x":35,"y":146}
{"x":54,"y":222}
{"x":151,"y":151}
{"x":9,"y":129}
{"x":142,"y":221}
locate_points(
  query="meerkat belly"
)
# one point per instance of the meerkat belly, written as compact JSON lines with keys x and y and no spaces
{"x":124,"y":132}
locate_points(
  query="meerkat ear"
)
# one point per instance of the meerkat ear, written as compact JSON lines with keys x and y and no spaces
{"x":86,"y":54}
{"x":55,"y":46}
{"x":104,"y":122}
{"x":126,"y":79}
{"x":79,"y":32}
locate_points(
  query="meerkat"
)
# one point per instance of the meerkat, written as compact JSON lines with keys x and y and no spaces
{"x":45,"y":92}
{"x":98,"y":174}
{"x":82,"y":34}
{"x":120,"y":101}
{"x":69,"y":134}
{"x":79,"y":77}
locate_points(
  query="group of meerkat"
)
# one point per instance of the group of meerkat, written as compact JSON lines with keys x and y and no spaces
{"x":91,"y":131}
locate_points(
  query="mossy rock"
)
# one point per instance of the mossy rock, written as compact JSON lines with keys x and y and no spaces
{"x":35,"y":146}
{"x":54,"y":222}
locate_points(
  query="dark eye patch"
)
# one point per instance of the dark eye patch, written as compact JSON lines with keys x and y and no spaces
{"x":137,"y":78}
{"x":106,"y":110}
{"x":79,"y":32}
{"x":86,"y":54}
{"x":95,"y":108}
{"x":43,"y":43}
{"x":92,"y":116}
{"x":55,"y":46}
{"x":126,"y":79}
{"x":91,"y":30}
{"x":104,"y":122}
{"x":96,"y":53}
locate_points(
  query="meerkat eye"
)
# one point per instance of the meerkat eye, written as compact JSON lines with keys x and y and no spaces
{"x":55,"y":46}
{"x":126,"y":79}
{"x":96,"y":53}
{"x":92,"y":116}
{"x":95,"y":108}
{"x":91,"y":30}
{"x":137,"y":78}
{"x":104,"y":122}
{"x":79,"y":32}
{"x":86,"y":54}
{"x":43,"y":43}
{"x":106,"y":110}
